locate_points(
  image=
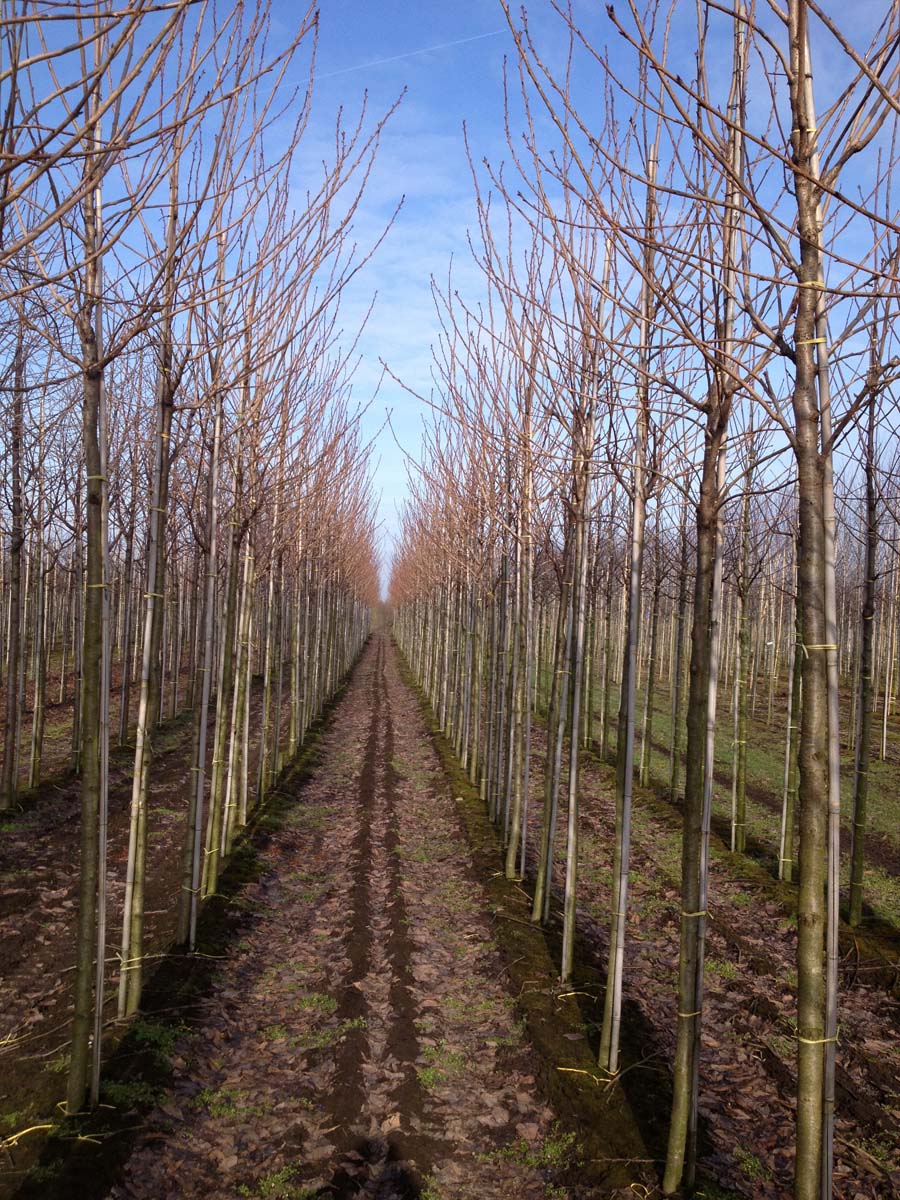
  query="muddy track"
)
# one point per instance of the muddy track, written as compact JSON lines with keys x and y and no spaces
{"x":379,"y":952}
{"x":352,"y":1007}
{"x":403,"y":1044}
{"x":359,"y":1039}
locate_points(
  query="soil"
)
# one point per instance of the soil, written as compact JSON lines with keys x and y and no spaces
{"x":358,"y":1034}
{"x":360,"y":1039}
{"x":372,"y":1014}
{"x":882,"y":849}
{"x":747,"y":1078}
{"x":38,"y":914}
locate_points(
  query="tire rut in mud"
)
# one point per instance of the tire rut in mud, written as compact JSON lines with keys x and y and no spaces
{"x":352,"y":1008}
{"x":359,"y":1040}
{"x":379,"y":950}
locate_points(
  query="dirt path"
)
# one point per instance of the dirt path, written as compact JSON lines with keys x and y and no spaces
{"x":359,"y":1040}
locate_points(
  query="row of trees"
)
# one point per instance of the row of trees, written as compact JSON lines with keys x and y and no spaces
{"x":186,"y":496}
{"x":688,"y":332}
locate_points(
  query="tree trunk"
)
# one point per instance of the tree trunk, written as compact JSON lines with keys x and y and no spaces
{"x":739,"y":783}
{"x":692,"y":826}
{"x":864,"y":702}
{"x":9,"y":781}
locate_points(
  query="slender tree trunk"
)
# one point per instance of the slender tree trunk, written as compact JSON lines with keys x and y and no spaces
{"x":224,"y":697}
{"x":650,"y":695}
{"x":90,"y":755}
{"x":739,"y":782}
{"x":40,"y":623}
{"x":677,"y":687}
{"x":237,"y":750}
{"x":559,"y":693}
{"x":791,"y":765}
{"x":677,"y":1161}
{"x":192,"y":870}
{"x":582,"y":470}
{"x":9,"y":781}
{"x":612,"y":1004}
{"x":819,"y":763}
{"x":131,"y":978}
{"x":865,"y":701}
{"x":78,"y":633}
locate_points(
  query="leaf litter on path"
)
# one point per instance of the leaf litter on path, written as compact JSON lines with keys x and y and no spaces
{"x":359,"y":1040}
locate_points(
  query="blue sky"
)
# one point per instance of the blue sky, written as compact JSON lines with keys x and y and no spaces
{"x":449,"y":59}
{"x":381,"y":48}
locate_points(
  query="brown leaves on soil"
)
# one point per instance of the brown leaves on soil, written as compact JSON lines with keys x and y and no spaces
{"x":368,"y":976}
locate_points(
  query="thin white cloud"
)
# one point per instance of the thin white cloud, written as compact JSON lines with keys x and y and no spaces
{"x":379,"y":62}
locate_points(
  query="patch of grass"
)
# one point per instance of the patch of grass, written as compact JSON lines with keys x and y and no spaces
{"x":881,"y":1148}
{"x":129,"y":1093}
{"x":274,"y":1033}
{"x":428,"y":853}
{"x":721,"y":969}
{"x":455,"y":895}
{"x":318,"y":1001}
{"x":556,"y":1152}
{"x":442,"y":1062}
{"x":324,"y":1038}
{"x":45,"y":1174}
{"x":222,"y":1102}
{"x":288,"y":977}
{"x":59,"y":1065}
{"x":484,"y":1007}
{"x":429,"y":1077}
{"x":304,"y":877}
{"x":278,"y":1185}
{"x":156,"y":1036}
{"x":450,"y":1060}
{"x":750,"y":1166}
{"x":882,"y":891}
{"x":515,"y":1036}
{"x":313,"y":816}
{"x":782,"y":1046}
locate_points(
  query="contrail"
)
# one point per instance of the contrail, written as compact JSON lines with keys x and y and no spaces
{"x":412,"y":54}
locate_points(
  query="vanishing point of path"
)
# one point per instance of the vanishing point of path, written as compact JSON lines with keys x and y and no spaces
{"x":359,"y":1039}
